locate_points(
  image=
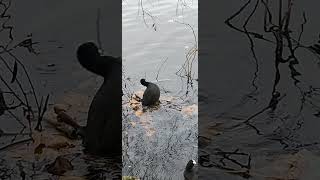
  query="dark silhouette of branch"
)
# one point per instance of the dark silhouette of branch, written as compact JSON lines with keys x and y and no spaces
{"x":284,"y":53}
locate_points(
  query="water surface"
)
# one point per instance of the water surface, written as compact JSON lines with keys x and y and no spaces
{"x":243,"y":89}
{"x":160,"y":141}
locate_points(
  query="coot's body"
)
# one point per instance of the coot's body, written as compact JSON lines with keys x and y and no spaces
{"x":151,"y":95}
{"x":103,"y":133}
{"x":191,"y":171}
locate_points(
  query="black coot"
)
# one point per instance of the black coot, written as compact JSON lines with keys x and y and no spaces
{"x":191,"y":171}
{"x":103,"y":133}
{"x":151,"y":95}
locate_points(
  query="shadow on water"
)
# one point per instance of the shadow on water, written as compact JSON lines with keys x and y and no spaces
{"x":279,"y":115}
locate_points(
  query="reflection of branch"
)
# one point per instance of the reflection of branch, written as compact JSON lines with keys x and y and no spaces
{"x":28,"y":77}
{"x":252,"y":48}
{"x":302,"y":28}
{"x":230,"y":157}
{"x":27,"y":43}
{"x":5,"y":50}
{"x":254,"y":34}
{"x":145,"y":12}
{"x":15,"y":143}
{"x":272,"y":105}
{"x":186,"y":70}
{"x":126,"y":86}
{"x":193,"y":32}
{"x":160,"y":68}
{"x":248,"y":34}
{"x":11,"y":134}
{"x":98,"y":31}
{"x":26,"y":103}
{"x":41,"y":112}
{"x":7,"y":17}
{"x":181,"y":3}
{"x":285,"y":52}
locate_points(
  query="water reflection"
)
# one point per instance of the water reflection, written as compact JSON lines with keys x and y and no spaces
{"x":272,"y":115}
{"x":36,"y":61}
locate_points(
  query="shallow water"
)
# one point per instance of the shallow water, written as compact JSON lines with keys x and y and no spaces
{"x":159,"y":141}
{"x":57,"y":28}
{"x":235,"y":149}
{"x":162,"y":140}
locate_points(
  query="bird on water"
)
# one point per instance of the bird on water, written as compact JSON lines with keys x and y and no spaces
{"x":103,"y":133}
{"x":191,"y":171}
{"x":151,"y":95}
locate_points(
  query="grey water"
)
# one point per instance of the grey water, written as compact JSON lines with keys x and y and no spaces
{"x":157,"y":143}
{"x":157,"y":36}
{"x":56,"y":29}
{"x":242,"y":88}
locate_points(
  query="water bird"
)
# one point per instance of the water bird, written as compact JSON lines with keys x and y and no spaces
{"x":151,"y":95}
{"x":191,"y":171}
{"x":103,"y":132}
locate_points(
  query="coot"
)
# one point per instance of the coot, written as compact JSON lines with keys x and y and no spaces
{"x":191,"y":171}
{"x":103,"y":133}
{"x":151,"y":95}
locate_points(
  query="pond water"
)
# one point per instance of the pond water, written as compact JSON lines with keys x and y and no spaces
{"x":57,"y":29}
{"x":157,"y":38}
{"x":244,"y":133}
{"x":158,"y":142}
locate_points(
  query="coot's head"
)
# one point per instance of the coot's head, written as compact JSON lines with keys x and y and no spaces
{"x":144,"y":82}
{"x":87,"y":51}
